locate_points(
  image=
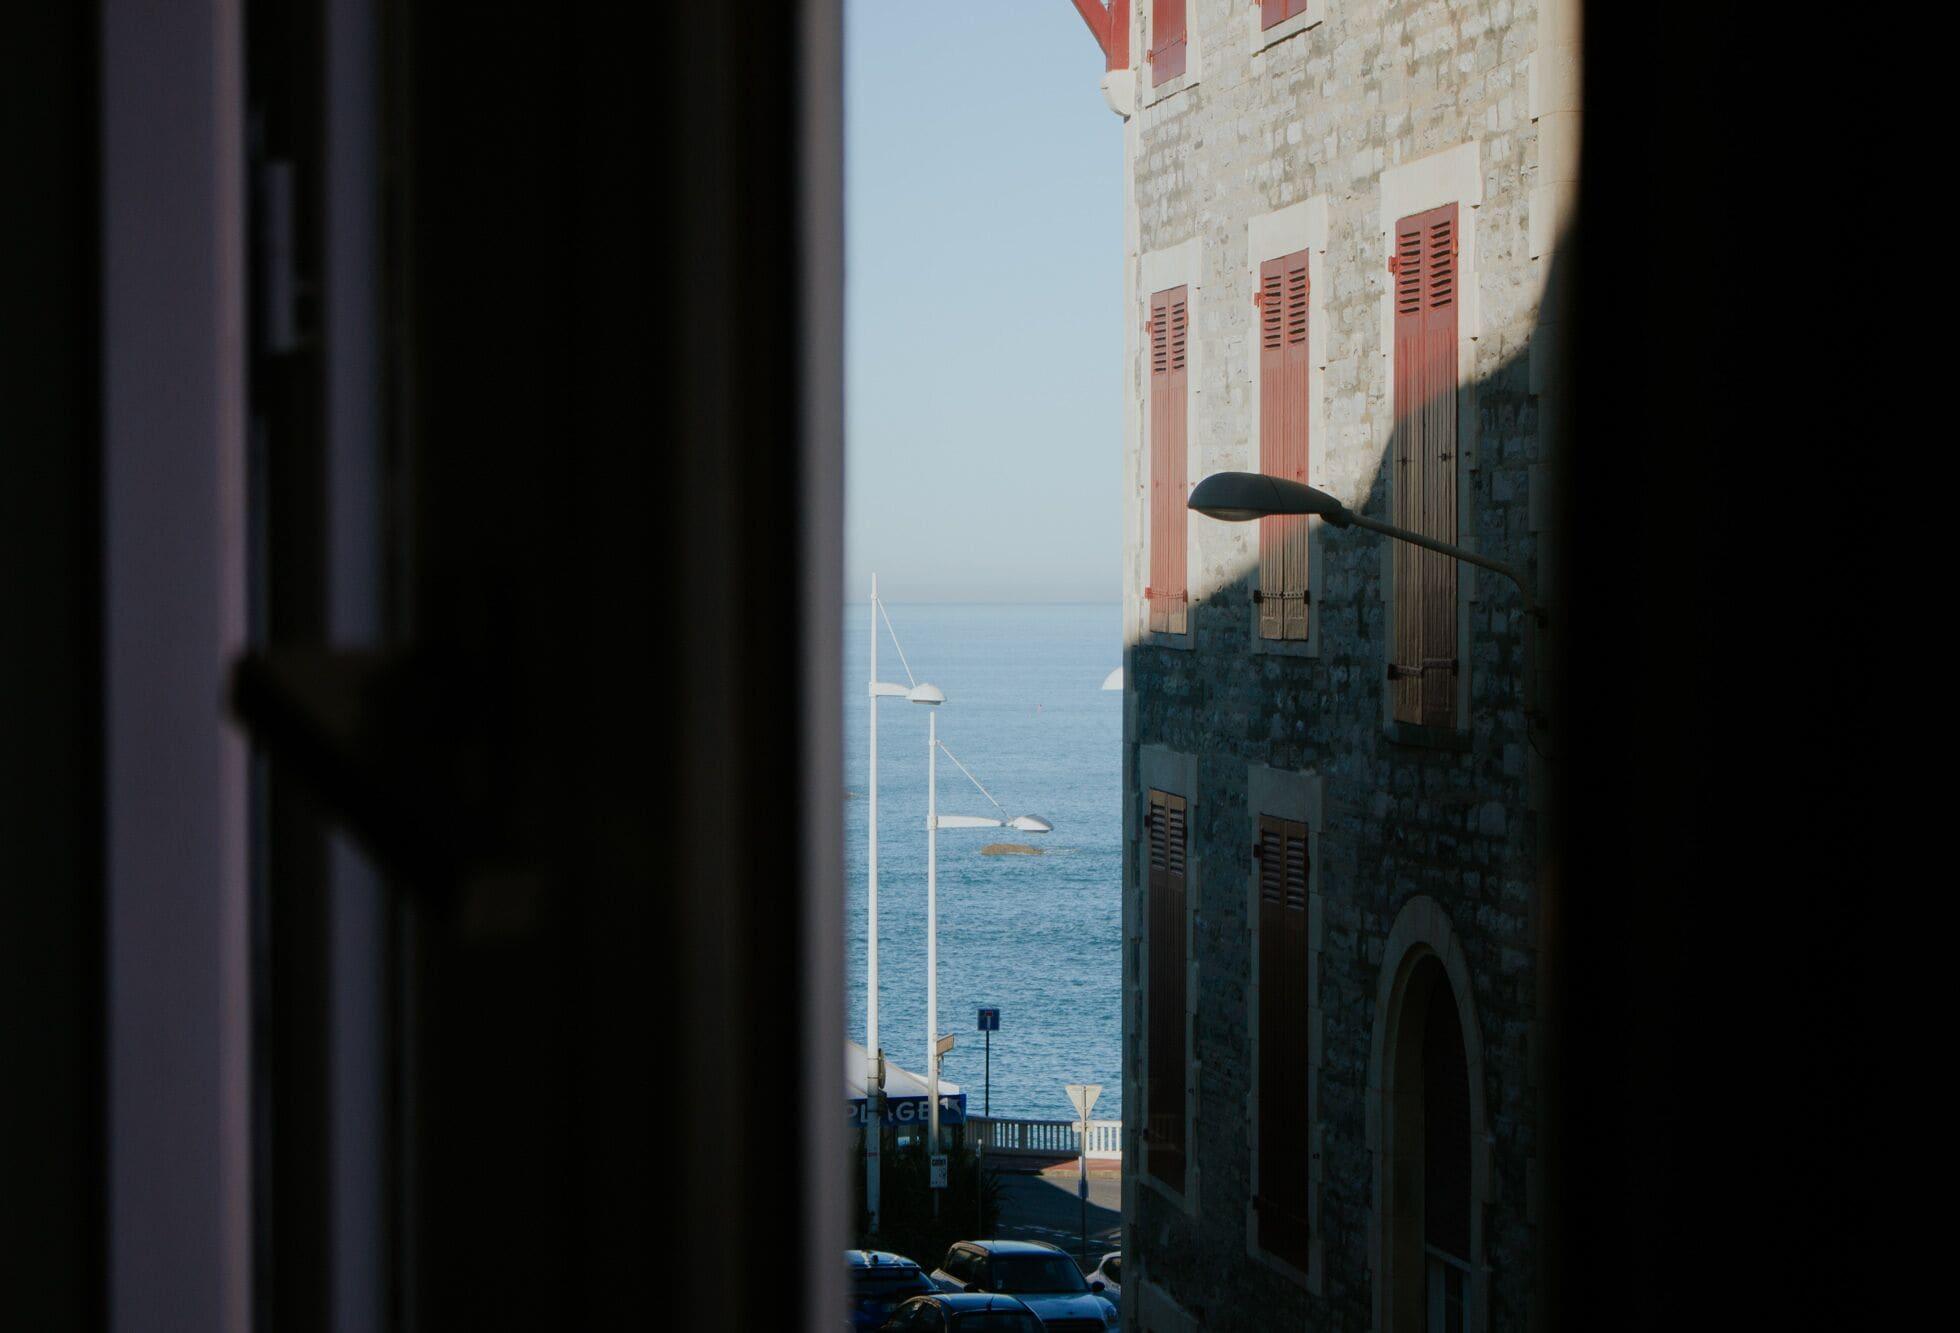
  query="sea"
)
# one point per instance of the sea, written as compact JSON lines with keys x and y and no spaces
{"x":1038,"y":937}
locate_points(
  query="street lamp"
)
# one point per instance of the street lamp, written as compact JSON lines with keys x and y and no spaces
{"x":935,"y":821}
{"x":873,"y":1089}
{"x":1239,"y":497}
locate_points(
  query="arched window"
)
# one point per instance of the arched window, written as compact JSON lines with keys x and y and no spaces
{"x":1428,"y":1133}
{"x":1445,"y":1161}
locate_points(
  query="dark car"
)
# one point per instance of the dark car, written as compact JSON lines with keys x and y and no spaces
{"x":879,"y":1281}
{"x":962,"y":1312}
{"x":1041,"y":1276}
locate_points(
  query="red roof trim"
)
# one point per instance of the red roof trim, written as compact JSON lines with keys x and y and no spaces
{"x":1109,"y":24}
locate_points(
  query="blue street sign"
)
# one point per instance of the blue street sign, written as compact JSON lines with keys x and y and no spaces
{"x":990,"y":1020}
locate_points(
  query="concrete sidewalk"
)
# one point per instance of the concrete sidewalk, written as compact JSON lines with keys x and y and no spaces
{"x":1020,"y":1165}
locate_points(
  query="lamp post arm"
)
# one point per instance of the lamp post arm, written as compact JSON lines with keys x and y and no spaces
{"x":1535,"y":611}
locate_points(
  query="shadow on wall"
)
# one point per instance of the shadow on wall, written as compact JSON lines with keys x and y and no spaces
{"x":1410,"y":810}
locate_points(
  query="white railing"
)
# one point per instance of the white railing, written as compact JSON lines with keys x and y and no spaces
{"x":1047,"y":1138}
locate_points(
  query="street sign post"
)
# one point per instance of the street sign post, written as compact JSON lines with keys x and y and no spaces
{"x":938,"y":1159}
{"x":1083,"y":1097}
{"x":989,"y":1024}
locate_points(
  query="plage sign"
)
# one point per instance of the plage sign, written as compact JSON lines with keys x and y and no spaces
{"x":913,"y":1110}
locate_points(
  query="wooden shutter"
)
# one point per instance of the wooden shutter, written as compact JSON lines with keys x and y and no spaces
{"x":1169,"y":357}
{"x":1167,"y":40}
{"x":1283,"y":402}
{"x":1274,"y":11}
{"x":1422,"y":662}
{"x":1164,"y":1124}
{"x":1284,"y":1000}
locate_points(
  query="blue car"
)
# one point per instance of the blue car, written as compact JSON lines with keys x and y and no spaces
{"x":1044,"y":1279}
{"x":962,"y":1312}
{"x":879,"y":1282}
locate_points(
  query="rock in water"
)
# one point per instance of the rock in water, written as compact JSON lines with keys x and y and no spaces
{"x":1009,"y":849}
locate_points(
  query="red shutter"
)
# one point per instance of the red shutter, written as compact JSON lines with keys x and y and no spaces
{"x":1273,"y":417}
{"x":1169,"y":354}
{"x":1164,"y":1113}
{"x":1283,"y":403}
{"x":1284,"y":1052}
{"x":1273,"y":11}
{"x":1422,"y":662}
{"x":1166,"y":40}
{"x":1294,"y":535}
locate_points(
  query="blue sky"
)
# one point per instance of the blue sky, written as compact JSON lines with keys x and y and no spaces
{"x":984,"y":289}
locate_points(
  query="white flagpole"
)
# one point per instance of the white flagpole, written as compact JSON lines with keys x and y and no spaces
{"x":873,"y":1102}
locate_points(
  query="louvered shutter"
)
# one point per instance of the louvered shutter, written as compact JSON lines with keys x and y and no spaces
{"x":1283,"y":1047}
{"x":1295,"y":530}
{"x":1283,"y":402}
{"x":1167,"y":41}
{"x":1423,"y":666}
{"x":1164,"y":1133}
{"x":1169,"y":357}
{"x":1274,"y":11}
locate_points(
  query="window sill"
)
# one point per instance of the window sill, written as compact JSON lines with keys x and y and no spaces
{"x":1187,"y":1202}
{"x":1306,"y":647}
{"x":1183,"y":643}
{"x":1427,"y":738}
{"x":1169,"y":88}
{"x":1311,"y":17}
{"x":1307,"y":1279}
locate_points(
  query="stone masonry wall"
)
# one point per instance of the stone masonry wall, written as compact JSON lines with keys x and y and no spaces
{"x":1324,"y":113}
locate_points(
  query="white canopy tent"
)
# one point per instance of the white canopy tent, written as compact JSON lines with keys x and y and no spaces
{"x":905,"y":1092}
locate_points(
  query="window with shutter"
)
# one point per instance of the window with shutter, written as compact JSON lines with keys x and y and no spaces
{"x":1169,"y":354}
{"x":1423,"y":665}
{"x":1167,"y":40}
{"x":1164,"y":1132}
{"x":1284,"y":1001}
{"x":1283,"y":403}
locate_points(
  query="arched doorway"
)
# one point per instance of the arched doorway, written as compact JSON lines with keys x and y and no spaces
{"x":1427,"y":1132}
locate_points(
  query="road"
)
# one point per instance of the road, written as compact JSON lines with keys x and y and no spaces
{"x":1042,"y":1205}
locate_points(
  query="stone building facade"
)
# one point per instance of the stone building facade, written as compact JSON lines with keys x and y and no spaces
{"x":1342,"y":858}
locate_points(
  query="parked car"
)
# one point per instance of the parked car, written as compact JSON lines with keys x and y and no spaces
{"x":880,"y":1281}
{"x":963,"y":1312}
{"x":1044,"y":1278}
{"x":1110,"y":1273}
